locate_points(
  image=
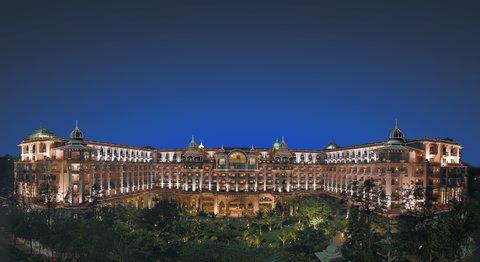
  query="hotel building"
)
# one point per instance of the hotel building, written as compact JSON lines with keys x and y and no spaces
{"x":228,"y":181}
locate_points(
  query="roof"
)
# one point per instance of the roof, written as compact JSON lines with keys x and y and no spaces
{"x":379,"y":143}
{"x":434,"y":140}
{"x":75,"y":147}
{"x":98,"y":143}
{"x":40,"y":133}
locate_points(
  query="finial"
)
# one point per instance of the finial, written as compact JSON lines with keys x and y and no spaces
{"x":76,"y":124}
{"x":396,"y":123}
{"x":283,"y":139}
{"x":252,"y":148}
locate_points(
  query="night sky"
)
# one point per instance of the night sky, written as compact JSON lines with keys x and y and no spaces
{"x":241,"y":73}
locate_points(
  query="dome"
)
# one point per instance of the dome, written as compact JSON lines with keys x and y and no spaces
{"x":276,"y":145}
{"x":332,"y":145}
{"x":40,"y":133}
{"x":76,"y":133}
{"x":396,"y":135}
{"x":201,"y":146}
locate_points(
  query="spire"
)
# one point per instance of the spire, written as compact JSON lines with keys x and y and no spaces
{"x":283,"y":144}
{"x":201,"y":146}
{"x":76,"y":133}
{"x":331,"y":145}
{"x":252,"y":149}
{"x":396,"y":135}
{"x":192,"y":143}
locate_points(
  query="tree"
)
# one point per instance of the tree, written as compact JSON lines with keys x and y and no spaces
{"x":252,"y":239}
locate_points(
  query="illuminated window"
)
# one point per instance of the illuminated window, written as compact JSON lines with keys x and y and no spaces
{"x":237,"y":158}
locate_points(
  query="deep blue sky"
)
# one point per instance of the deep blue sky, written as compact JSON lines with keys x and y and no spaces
{"x":241,"y":73}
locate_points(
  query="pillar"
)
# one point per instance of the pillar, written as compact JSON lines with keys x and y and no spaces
{"x":108,"y":182}
{"x":128,"y":181}
{"x":70,"y":187}
{"x":121,"y":179}
{"x":388,"y":189}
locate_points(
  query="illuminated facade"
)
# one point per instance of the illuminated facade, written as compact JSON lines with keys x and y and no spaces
{"x":233,"y":181}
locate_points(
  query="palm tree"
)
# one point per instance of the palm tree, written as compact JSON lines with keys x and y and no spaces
{"x":284,"y":236}
{"x":252,"y":239}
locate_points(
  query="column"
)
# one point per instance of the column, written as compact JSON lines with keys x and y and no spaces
{"x":388,"y":189}
{"x":264,"y":180}
{"x":161,"y":179}
{"x":288,"y":181}
{"x":324,"y":177}
{"x":122,"y":190}
{"x":346,"y":183}
{"x":314,"y":181}
{"x":194,"y":183}
{"x":101,"y":179}
{"x":92,"y":183}
{"x":138,"y":179}
{"x":108,"y":181}
{"x":186,"y":182}
{"x":306,"y":181}
{"x":70,"y":186}
{"x":236,"y":182}
{"x":80,"y":193}
{"x":209,"y":181}
{"x":256,"y":206}
{"x":151,"y":180}
{"x":178,"y":180}
{"x":215,"y":204}
{"x":128,"y":181}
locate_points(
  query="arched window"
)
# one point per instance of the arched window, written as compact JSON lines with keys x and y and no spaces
{"x":237,"y":160}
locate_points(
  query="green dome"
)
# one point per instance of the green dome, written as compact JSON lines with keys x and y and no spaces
{"x":40,"y":133}
{"x":276,"y":145}
{"x":396,"y":136}
{"x":76,"y":133}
